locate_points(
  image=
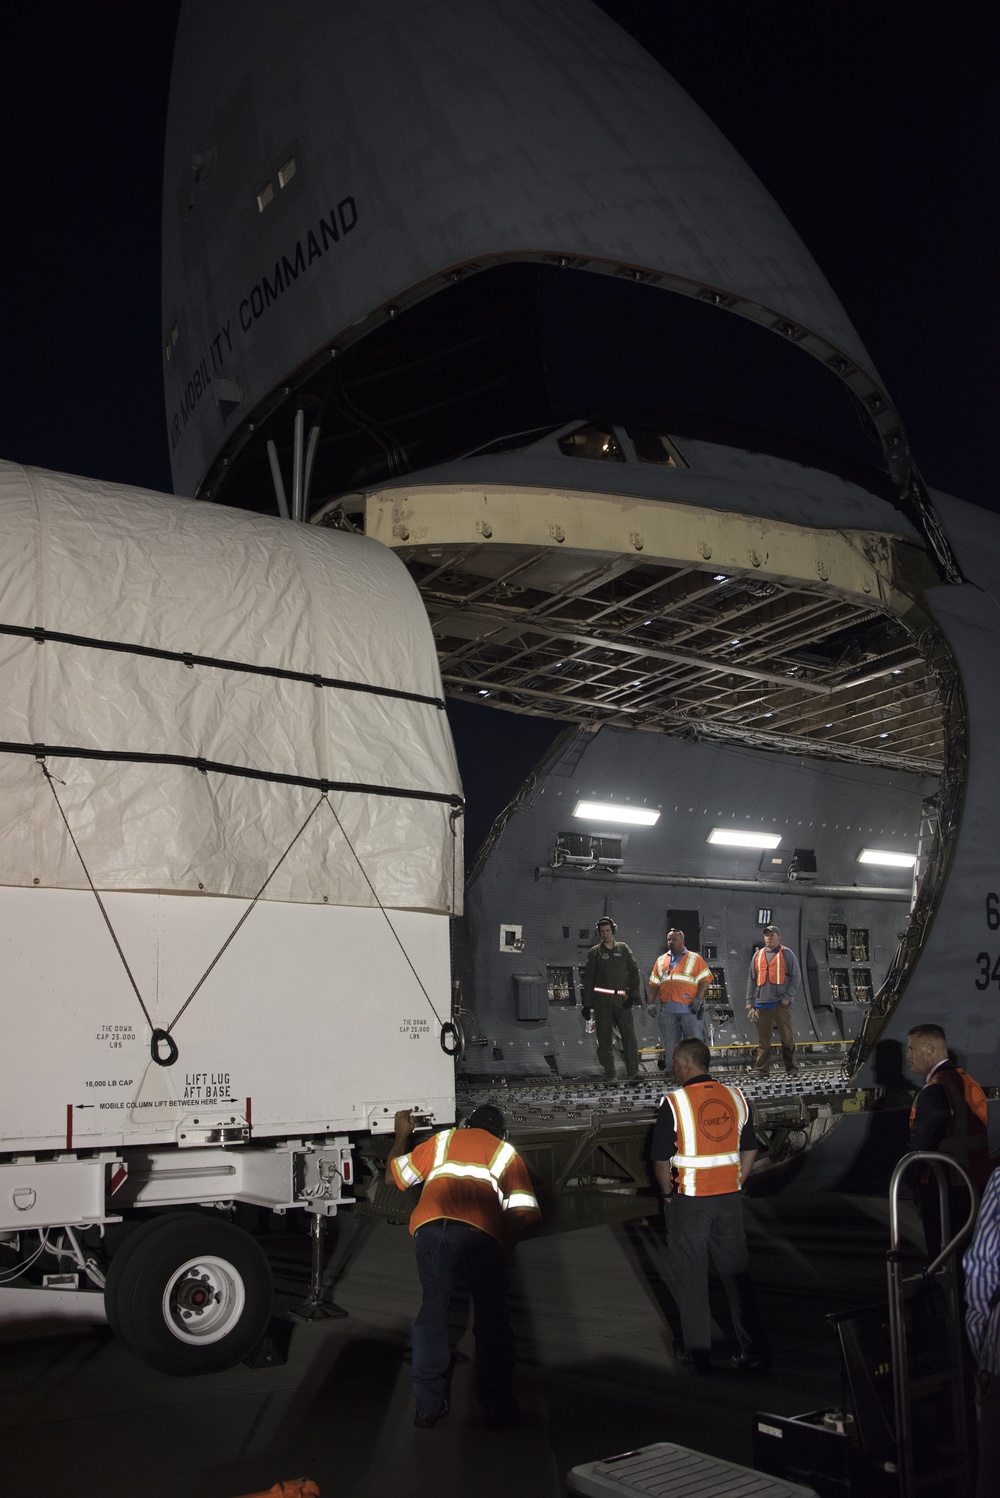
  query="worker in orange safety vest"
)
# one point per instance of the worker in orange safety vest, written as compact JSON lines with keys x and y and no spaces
{"x":677,"y":987}
{"x":772,"y":984}
{"x":476,"y":1202}
{"x":704,"y":1144}
{"x":949,"y":1117}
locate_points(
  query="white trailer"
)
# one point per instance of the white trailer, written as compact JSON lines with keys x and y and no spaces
{"x":230,"y":846}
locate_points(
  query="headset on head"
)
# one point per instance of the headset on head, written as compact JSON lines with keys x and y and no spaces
{"x":605,"y":921}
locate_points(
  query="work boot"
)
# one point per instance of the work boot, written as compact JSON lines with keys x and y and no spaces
{"x":426,"y":1419}
{"x":698,"y":1361}
{"x":750,"y":1362}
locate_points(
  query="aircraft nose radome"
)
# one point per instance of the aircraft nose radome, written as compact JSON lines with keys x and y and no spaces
{"x":452,"y":131}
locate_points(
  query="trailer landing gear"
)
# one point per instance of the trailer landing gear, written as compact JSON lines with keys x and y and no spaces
{"x":189,"y":1294}
{"x":314,"y":1307}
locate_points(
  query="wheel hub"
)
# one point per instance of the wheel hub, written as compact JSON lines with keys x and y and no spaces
{"x":194,"y":1294}
{"x":203,"y":1300}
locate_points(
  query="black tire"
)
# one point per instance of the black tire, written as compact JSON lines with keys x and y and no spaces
{"x":187,"y":1293}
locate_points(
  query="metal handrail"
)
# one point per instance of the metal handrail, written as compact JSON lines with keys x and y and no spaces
{"x":935,"y":1160}
{"x":939,"y":1164}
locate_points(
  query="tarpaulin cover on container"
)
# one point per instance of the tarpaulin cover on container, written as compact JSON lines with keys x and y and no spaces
{"x":119,"y":567}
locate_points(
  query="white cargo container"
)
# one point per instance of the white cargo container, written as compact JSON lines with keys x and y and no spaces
{"x":230,"y":845}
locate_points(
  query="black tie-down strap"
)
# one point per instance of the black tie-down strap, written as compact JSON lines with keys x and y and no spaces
{"x":161,"y":1037}
{"x":219,"y":663}
{"x":41,"y":752}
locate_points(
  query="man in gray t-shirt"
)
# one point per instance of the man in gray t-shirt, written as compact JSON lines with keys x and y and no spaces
{"x":772,"y":984}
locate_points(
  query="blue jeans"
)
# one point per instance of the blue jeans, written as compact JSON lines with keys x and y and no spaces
{"x":449,"y":1252}
{"x":676,"y":1025}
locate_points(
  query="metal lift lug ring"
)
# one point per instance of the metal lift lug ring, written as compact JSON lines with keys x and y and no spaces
{"x":449,"y":1029}
{"x":163,"y":1037}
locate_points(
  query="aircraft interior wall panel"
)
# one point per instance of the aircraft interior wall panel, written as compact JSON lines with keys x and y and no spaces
{"x":555,"y":917}
{"x":545,"y":914}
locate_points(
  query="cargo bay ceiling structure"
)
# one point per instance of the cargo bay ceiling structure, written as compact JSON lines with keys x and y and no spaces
{"x":599,"y":608}
{"x":577,"y":648}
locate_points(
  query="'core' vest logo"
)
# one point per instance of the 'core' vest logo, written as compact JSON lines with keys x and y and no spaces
{"x":716,"y":1120}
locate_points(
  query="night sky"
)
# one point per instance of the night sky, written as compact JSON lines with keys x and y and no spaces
{"x":872,"y":124}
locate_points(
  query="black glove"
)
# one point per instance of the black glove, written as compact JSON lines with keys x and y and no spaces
{"x":587,"y":1011}
{"x":629,"y":1003}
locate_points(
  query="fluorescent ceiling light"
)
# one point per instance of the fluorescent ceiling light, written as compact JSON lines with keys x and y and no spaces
{"x":606,"y":811}
{"x":888,"y":860}
{"x":731,"y":838}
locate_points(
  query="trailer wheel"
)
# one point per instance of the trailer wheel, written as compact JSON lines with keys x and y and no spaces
{"x":189,"y":1294}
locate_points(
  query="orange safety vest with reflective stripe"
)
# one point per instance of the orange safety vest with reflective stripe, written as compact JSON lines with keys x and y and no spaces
{"x":470,"y":1176}
{"x":966,"y":1138}
{"x":679,"y":984}
{"x":709,"y":1118}
{"x":762,"y":963}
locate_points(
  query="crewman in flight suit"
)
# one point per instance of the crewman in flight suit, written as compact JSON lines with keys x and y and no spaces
{"x":610,"y":988}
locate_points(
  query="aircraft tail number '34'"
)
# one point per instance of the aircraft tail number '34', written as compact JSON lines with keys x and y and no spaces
{"x":989,"y":969}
